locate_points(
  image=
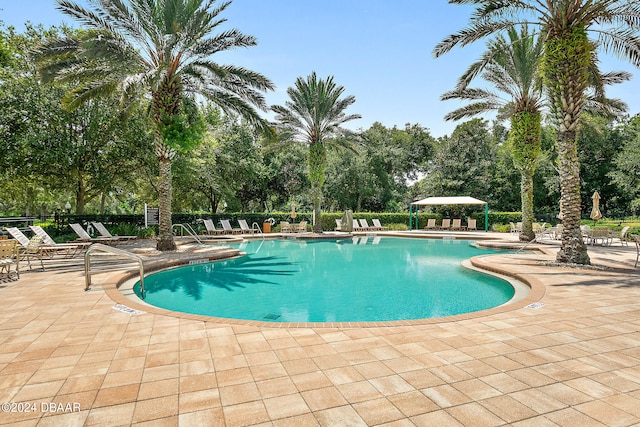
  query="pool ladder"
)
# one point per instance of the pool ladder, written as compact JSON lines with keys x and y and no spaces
{"x":117,"y":267}
{"x":189,"y":230}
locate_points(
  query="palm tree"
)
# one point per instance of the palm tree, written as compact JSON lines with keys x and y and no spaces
{"x":569,"y":53}
{"x":313,"y":115}
{"x":160,"y":51}
{"x":513,"y":68}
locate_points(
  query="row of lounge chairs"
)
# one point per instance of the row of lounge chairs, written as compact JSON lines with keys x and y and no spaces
{"x":41,"y":245}
{"x":451,"y":225}
{"x":362,"y":225}
{"x":285,"y":227}
{"x":210,"y":228}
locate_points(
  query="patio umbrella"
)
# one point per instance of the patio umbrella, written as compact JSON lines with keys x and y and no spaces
{"x":595,"y":211}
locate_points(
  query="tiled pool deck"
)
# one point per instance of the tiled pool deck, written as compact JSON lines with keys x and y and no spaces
{"x":574,"y":361}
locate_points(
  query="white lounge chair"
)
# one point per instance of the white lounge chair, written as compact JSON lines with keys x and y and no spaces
{"x":226,"y":226}
{"x":376,"y":223}
{"x":244,"y":227}
{"x":105,"y":233}
{"x":431,"y":224}
{"x":72,"y":248}
{"x":357,"y":226}
{"x":365,"y":225}
{"x":446,"y":223}
{"x":338,"y":225}
{"x":457,"y":225}
{"x":38,"y":245}
{"x":471,"y":224}
{"x":83,"y":236}
{"x":211,"y":228}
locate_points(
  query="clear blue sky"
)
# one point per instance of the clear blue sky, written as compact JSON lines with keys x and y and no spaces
{"x":379,"y":50}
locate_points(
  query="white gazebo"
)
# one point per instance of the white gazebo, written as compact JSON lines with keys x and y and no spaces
{"x":441,"y":201}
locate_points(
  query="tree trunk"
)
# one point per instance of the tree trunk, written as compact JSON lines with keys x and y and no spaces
{"x":317,"y":167}
{"x":573,"y":249}
{"x":165,"y":234}
{"x":567,"y":60}
{"x":81,"y":192}
{"x":526,"y":196}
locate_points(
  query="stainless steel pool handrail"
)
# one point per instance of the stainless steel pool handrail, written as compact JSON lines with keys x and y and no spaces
{"x":189,"y":230}
{"x":110,"y":249}
{"x":259,"y":229}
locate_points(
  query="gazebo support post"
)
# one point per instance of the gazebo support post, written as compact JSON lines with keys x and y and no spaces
{"x":486,"y":217}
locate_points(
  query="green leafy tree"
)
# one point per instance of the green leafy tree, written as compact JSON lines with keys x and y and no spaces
{"x":512,"y":66}
{"x":462,"y":165}
{"x":314,"y":115}
{"x":88,"y":148}
{"x":159,"y":50}
{"x":626,"y":175}
{"x":569,"y":54}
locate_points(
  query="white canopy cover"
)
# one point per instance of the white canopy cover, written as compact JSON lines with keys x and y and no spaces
{"x":461,"y":200}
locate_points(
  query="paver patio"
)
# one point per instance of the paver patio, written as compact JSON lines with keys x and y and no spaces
{"x":574,"y":361}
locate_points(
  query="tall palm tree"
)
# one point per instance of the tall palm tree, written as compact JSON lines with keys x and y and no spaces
{"x":313,"y":115}
{"x":513,"y":68}
{"x":564,"y":27}
{"x":159,"y":51}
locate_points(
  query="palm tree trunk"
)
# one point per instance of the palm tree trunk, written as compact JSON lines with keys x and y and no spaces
{"x":573,"y":249}
{"x":165,"y":236}
{"x":526,"y":197}
{"x":317,"y":167}
{"x":567,"y":58}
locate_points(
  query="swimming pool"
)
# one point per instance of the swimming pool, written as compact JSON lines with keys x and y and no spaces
{"x":349,"y":280}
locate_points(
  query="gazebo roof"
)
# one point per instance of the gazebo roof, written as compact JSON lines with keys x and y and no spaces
{"x":460,"y":200}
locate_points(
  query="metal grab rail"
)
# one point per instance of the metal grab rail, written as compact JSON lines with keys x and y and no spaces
{"x":259,"y":229}
{"x":189,"y":230}
{"x":110,"y":249}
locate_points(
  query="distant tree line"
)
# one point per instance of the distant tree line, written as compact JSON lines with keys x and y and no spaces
{"x":100,"y":163}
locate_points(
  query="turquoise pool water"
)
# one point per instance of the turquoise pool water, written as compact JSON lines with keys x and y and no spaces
{"x":349,"y":280}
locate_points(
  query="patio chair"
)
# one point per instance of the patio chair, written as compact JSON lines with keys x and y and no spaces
{"x":357,"y":226}
{"x":431,"y":224}
{"x":603,"y":234}
{"x":301,"y":227}
{"x":376,"y":223}
{"x":83,"y":236}
{"x":471,"y":224}
{"x":47,"y":250}
{"x":71,"y":248}
{"x":211,"y":228}
{"x":586,"y":233}
{"x":513,"y":227}
{"x":285,"y":227}
{"x":623,"y":236}
{"x":365,"y":225}
{"x":244,"y":227}
{"x":457,"y":225}
{"x":34,"y":249}
{"x":9,"y":256}
{"x":338,"y":225}
{"x":105,"y":233}
{"x":446,"y":223}
{"x":226,"y":226}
